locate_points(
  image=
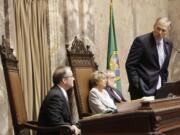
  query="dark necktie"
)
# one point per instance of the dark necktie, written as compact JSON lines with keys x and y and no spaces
{"x":116,"y":96}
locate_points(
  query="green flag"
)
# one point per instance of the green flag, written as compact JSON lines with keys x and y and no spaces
{"x":112,"y":54}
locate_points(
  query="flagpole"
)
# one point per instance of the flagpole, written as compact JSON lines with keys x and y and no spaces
{"x":111,"y":2}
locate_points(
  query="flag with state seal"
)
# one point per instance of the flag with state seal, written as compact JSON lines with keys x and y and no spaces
{"x":112,"y":53}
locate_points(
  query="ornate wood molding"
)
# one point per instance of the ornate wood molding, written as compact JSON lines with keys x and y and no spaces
{"x":9,"y":61}
{"x":78,"y":47}
{"x":81,"y":54}
{"x":5,"y":50}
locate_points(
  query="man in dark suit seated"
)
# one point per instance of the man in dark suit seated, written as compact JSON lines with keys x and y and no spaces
{"x":148,"y":60}
{"x":55,"y":107}
{"x":115,"y":94}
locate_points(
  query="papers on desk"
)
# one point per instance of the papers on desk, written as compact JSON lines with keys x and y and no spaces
{"x":133,"y":104}
{"x":150,"y":98}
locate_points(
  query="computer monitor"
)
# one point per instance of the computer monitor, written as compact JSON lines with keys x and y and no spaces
{"x":169,"y":89}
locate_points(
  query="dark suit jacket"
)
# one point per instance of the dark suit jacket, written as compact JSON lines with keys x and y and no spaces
{"x":54,"y":110}
{"x":143,"y":68}
{"x":109,"y":89}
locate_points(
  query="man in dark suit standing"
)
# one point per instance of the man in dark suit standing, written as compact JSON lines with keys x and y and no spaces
{"x":55,"y":107}
{"x":115,"y":94}
{"x":148,"y":60}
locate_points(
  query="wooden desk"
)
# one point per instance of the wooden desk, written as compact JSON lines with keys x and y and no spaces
{"x":159,"y":117}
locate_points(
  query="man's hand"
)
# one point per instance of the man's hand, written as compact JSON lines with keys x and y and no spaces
{"x":77,"y":130}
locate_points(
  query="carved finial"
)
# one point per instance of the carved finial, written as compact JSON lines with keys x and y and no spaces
{"x":67,"y":46}
{"x":78,"y":47}
{"x":5,"y":50}
{"x":88,"y":47}
{"x":3,"y":40}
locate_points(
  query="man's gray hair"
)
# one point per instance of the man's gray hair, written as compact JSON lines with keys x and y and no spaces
{"x":59,"y":74}
{"x":109,"y":72}
{"x":163,"y":20}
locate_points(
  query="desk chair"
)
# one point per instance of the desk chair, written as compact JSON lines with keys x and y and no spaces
{"x":16,"y":99}
{"x":81,"y":61}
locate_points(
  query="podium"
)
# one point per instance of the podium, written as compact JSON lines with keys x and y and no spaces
{"x":158,"y":117}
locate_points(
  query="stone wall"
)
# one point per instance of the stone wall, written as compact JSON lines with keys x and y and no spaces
{"x":2,"y":20}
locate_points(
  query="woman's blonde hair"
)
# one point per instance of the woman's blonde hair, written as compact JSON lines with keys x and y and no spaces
{"x":97,"y":76}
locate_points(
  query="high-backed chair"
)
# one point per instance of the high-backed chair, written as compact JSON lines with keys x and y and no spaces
{"x":81,"y":61}
{"x":16,"y":98}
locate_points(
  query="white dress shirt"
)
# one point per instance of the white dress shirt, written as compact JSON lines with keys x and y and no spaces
{"x":161,"y":57}
{"x":64,"y":93}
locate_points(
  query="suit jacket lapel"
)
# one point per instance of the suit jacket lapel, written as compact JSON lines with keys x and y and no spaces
{"x":64,"y":98}
{"x":67,"y":104}
{"x":154,"y":50}
{"x":166,"y":50}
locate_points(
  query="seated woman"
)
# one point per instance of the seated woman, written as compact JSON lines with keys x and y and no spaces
{"x":99,"y":99}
